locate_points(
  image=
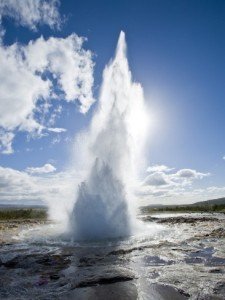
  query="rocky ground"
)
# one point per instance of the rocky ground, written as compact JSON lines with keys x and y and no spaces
{"x":177,"y":257}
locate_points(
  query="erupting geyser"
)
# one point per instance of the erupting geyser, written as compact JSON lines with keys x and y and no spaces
{"x":112,"y":153}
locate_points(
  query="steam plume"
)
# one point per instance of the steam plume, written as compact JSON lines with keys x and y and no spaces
{"x":112,"y":151}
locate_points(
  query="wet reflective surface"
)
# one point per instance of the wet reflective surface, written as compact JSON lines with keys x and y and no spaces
{"x":174,"y":257}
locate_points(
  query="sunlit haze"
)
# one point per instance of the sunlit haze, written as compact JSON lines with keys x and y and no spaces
{"x":56,"y":90}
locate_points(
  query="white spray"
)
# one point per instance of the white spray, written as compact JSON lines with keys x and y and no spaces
{"x":112,"y":154}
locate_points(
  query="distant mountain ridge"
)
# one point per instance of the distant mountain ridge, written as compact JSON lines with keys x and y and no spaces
{"x":219,"y":201}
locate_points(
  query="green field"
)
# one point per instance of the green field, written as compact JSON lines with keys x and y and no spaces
{"x":184,"y":208}
{"x":23,"y":214}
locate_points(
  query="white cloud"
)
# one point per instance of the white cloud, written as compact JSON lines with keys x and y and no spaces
{"x":20,"y":90}
{"x":47,"y":168}
{"x":53,"y":189}
{"x":55,"y":113}
{"x":70,"y":65}
{"x":159,"y":168}
{"x":12,"y":180}
{"x":190,"y":174}
{"x":33,"y":75}
{"x":224,"y":157}
{"x":26,"y":90}
{"x":57,"y":130}
{"x":161,"y":175}
{"x":57,"y":190}
{"x":163,"y":184}
{"x":31,"y":13}
{"x":56,"y":140}
{"x":157,"y":179}
{"x":6,"y":139}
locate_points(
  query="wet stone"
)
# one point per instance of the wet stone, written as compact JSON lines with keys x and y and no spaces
{"x":187,"y":220}
{"x":216,"y":271}
{"x":149,"y":219}
{"x":157,"y":291}
{"x":153,"y":275}
{"x":87,"y":261}
{"x":54,"y":276}
{"x":218,"y":233}
{"x":11,"y":263}
{"x":215,"y":261}
{"x":194,"y":260}
{"x":204,"y":256}
{"x":113,"y":291}
{"x":219,"y":289}
{"x":102,"y":281}
{"x":157,"y":261}
{"x":125,"y":251}
{"x":172,"y":267}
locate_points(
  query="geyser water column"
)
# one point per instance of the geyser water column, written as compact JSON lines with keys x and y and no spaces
{"x":112,"y":151}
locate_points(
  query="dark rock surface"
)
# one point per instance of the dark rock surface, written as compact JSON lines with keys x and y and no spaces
{"x":185,"y":259}
{"x":189,"y":220}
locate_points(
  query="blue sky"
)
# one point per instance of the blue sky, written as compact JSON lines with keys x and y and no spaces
{"x":175,"y":50}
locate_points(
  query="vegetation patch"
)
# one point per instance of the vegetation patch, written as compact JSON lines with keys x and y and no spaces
{"x":184,"y":208}
{"x":23,"y":214}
